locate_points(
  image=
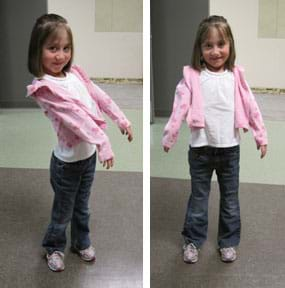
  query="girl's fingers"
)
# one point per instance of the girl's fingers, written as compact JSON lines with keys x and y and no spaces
{"x":129,"y":133}
{"x":166,"y":149}
{"x":263,"y":150}
{"x":108,"y":163}
{"x":130,"y":137}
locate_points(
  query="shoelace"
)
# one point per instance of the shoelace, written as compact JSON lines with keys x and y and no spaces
{"x":229,"y":250}
{"x":56,"y":257}
{"x":87,"y":251}
{"x":191,"y":247}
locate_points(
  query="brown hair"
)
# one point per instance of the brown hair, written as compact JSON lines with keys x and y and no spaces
{"x":45,"y":26}
{"x":221,"y":24}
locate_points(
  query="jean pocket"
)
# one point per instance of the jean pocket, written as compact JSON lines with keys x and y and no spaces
{"x":194,"y":154}
{"x":59,"y":164}
{"x":234,"y":153}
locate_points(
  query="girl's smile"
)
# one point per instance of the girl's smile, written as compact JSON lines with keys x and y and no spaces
{"x":215,"y":51}
{"x":56,"y":54}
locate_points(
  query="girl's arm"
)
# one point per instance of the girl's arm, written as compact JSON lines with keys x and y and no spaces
{"x":256,"y":123}
{"x":107,"y":105}
{"x":179,"y":111}
{"x":76,"y":120}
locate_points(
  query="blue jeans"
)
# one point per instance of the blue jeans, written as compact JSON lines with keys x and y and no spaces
{"x":203,"y":161}
{"x":71,"y":183}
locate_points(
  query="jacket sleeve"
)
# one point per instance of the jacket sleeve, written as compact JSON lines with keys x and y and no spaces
{"x":179,"y":111}
{"x":107,"y":105}
{"x":75,"y":119}
{"x":255,"y":119}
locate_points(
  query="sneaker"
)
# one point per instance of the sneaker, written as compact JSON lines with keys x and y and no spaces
{"x":55,"y":261}
{"x":228,"y":254}
{"x":87,"y":254}
{"x":190,"y":254}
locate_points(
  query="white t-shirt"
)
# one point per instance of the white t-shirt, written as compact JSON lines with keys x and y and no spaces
{"x":218,"y":92}
{"x":78,"y":91}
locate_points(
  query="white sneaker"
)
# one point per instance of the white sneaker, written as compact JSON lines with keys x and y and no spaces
{"x":55,"y":261}
{"x":87,"y":254}
{"x":228,"y":254}
{"x":190,"y":254}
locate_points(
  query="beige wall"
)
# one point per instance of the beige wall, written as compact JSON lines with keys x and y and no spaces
{"x":102,"y":54}
{"x":263,"y":58}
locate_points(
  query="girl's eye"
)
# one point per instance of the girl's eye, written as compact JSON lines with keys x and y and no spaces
{"x":67,"y":49}
{"x":52,"y":49}
{"x":207,"y":46}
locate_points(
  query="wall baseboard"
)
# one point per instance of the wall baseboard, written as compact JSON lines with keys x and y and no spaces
{"x":118,"y":80}
{"x":264,"y":90}
{"x":18,"y":104}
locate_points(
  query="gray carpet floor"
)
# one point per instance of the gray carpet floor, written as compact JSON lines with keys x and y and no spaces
{"x":261,"y":254}
{"x":116,"y":231}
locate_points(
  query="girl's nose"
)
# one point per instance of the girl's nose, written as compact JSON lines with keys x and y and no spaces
{"x":59,"y":55}
{"x":215,"y":51}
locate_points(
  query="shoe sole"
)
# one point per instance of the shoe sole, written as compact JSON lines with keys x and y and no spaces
{"x":228,"y":261}
{"x":190,"y":262}
{"x":53,"y":270}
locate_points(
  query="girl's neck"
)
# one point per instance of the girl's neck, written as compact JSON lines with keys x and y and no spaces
{"x":219,"y":73}
{"x":61,"y":75}
{"x":210,"y":69}
{"x":58,"y":78}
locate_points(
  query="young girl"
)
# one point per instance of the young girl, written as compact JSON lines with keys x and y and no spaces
{"x":74,"y":105}
{"x":216,"y":101}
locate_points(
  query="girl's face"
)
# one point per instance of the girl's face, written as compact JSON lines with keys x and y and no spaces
{"x":215,"y":51}
{"x":56,"y":53}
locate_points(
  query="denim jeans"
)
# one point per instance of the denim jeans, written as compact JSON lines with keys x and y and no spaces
{"x":203,"y":161}
{"x":71,"y":183}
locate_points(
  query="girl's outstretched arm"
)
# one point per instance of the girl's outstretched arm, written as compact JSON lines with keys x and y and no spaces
{"x":256,"y":122}
{"x":107,"y":105}
{"x":179,"y":111}
{"x":105,"y":102}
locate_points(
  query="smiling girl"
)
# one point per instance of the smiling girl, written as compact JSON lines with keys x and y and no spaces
{"x":74,"y":104}
{"x":216,"y":102}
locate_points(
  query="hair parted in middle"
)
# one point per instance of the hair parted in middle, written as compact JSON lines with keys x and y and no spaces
{"x":46,"y":26}
{"x":213,"y":22}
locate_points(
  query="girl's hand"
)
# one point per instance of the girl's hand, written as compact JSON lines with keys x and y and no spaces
{"x":128,"y":131}
{"x":108,"y":163}
{"x":166,"y":149}
{"x":263,"y":150}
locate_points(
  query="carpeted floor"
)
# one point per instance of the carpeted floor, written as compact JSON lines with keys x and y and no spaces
{"x":116,"y":225}
{"x":261,"y":255}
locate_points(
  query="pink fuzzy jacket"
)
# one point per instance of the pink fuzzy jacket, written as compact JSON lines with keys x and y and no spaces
{"x":188,"y":104}
{"x":71,"y":119}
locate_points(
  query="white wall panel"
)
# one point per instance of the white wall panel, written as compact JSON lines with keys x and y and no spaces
{"x":101,"y":54}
